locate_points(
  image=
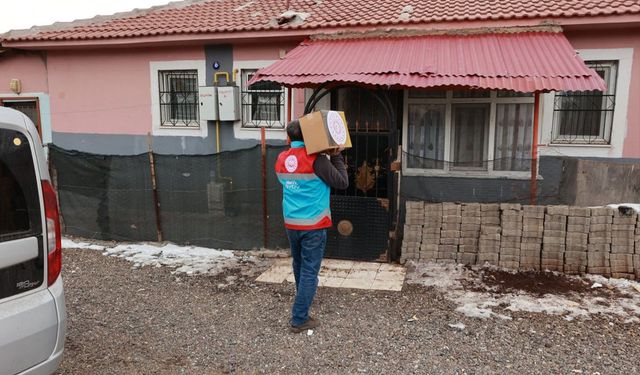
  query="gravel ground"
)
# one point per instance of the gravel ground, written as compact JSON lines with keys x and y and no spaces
{"x":149,"y":321}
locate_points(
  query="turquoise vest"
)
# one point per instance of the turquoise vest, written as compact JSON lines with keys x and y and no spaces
{"x":305,"y":197}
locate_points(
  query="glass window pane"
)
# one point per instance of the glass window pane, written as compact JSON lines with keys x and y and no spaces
{"x":19,"y":203}
{"x":514,"y":130}
{"x":514,"y":94}
{"x":586,"y":116}
{"x":179,"y":98}
{"x":425,"y":93}
{"x":471,"y":93}
{"x":470,"y":135}
{"x":262,"y":102}
{"x":426,"y":136}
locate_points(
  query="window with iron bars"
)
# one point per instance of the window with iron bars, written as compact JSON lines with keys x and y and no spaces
{"x":263,"y":103}
{"x":178,"y":98}
{"x":586,"y":117}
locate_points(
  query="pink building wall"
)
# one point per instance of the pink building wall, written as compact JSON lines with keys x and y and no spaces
{"x":629,"y":38}
{"x":106,"y":91}
{"x":29,"y":68}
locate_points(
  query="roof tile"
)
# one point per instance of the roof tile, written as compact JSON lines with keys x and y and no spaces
{"x":243,"y":15}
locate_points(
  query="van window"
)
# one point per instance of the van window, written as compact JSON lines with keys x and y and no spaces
{"x":19,"y":200}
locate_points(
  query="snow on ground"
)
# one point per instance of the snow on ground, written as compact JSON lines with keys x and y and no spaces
{"x":190,"y":260}
{"x":634,"y":206}
{"x":474,"y":298}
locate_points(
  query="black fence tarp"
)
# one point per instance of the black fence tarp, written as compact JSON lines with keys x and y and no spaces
{"x":206,"y":200}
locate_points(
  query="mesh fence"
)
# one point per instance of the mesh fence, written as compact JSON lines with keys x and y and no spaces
{"x":217,"y":200}
{"x":206,"y":200}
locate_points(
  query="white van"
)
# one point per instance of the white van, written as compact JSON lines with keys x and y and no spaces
{"x":32,"y":311}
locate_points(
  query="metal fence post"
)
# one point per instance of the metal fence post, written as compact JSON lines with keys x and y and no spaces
{"x":156,"y":200}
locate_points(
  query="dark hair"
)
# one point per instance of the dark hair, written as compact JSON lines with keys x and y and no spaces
{"x":293,"y":131}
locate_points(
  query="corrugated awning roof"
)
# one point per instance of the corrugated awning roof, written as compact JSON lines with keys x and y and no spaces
{"x":524,"y":61}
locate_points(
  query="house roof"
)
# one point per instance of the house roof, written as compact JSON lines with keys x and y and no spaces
{"x":519,"y":61}
{"x":217,"y":16}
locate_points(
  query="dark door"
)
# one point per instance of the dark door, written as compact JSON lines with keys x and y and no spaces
{"x":361,"y":214}
{"x":28,"y":106}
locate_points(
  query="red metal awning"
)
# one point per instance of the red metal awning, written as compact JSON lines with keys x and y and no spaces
{"x":524,"y":61}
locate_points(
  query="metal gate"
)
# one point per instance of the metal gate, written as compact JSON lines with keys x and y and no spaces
{"x":362,"y":213}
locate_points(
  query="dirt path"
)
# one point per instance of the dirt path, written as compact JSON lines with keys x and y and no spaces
{"x":148,"y":321}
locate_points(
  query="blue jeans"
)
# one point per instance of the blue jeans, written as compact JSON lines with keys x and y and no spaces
{"x":307,"y":250}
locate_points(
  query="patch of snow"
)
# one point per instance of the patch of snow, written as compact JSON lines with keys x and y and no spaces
{"x":243,"y":6}
{"x":71,"y":244}
{"x":459,"y":326}
{"x":481,"y":301}
{"x":190,"y":260}
{"x":634,"y":206}
{"x":405,"y":14}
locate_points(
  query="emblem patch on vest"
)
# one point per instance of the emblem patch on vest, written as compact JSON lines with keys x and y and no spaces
{"x":336,"y":127}
{"x":291,"y":163}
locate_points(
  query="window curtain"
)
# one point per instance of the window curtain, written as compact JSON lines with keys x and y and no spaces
{"x":514,"y":132}
{"x":426,"y":136}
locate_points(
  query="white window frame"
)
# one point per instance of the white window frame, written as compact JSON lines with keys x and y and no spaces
{"x":260,"y":123}
{"x":241,"y":132}
{"x":449,"y":100}
{"x":157,"y":129}
{"x":624,"y":57}
{"x":605,"y":129}
{"x":168,"y":82}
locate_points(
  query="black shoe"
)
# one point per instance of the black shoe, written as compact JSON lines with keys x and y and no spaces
{"x":309,"y":324}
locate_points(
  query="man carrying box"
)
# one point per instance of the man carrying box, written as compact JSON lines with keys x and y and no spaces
{"x":307,"y":181}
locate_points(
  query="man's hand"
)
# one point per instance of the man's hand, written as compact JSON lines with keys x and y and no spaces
{"x":336,"y":151}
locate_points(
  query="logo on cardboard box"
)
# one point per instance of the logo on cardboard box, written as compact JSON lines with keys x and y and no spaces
{"x":336,"y":127}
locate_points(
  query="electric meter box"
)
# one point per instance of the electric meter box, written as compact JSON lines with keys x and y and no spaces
{"x":229,"y":103}
{"x":208,"y":97}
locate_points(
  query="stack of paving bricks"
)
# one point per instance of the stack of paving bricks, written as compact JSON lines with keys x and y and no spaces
{"x":532,"y":232}
{"x":412,"y":231}
{"x":623,"y":233}
{"x":511,"y":236}
{"x":431,"y":231}
{"x":554,"y":237}
{"x":575,"y":256}
{"x":599,"y":245}
{"x":469,"y":233}
{"x":489,"y":244}
{"x":450,"y":233}
{"x":575,"y":240}
{"x":636,"y":256}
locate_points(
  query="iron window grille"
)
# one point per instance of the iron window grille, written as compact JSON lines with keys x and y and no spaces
{"x":263,"y":103}
{"x":586,"y":117}
{"x":179,"y":98}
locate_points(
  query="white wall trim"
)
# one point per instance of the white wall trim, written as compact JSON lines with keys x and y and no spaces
{"x":254,"y":133}
{"x":624,"y":56}
{"x":154,"y":67}
{"x":490,"y":173}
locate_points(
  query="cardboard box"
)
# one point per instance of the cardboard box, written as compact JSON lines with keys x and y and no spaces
{"x":325,"y":130}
